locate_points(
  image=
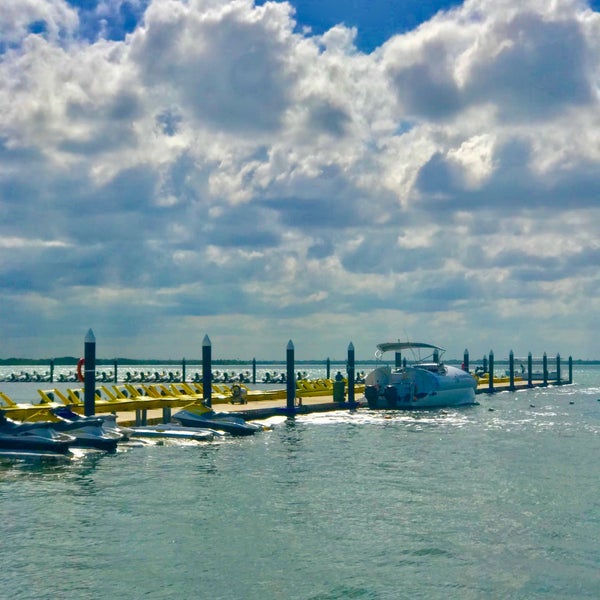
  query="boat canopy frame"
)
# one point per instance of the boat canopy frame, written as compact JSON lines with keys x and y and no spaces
{"x":400,"y":346}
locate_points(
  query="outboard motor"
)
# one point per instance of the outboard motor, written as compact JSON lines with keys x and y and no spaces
{"x":371,"y":394}
{"x":391,"y":395}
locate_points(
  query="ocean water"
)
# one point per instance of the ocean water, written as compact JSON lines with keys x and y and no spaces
{"x":500,"y":500}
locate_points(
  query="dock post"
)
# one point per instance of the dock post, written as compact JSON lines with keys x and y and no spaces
{"x":558,"y":369}
{"x":545,"y":368}
{"x":529,"y":370}
{"x":398,"y":361}
{"x":115,"y":368}
{"x":183,"y":370}
{"x":511,"y":371}
{"x":570,"y":369}
{"x":491,"y":372}
{"x":254,"y":370}
{"x":485,"y":364}
{"x":141,"y":417}
{"x":328,"y":369}
{"x":89,"y":380}
{"x":290,"y":378}
{"x":466,"y":360}
{"x":51,"y":370}
{"x":351,"y":374}
{"x":207,"y":371}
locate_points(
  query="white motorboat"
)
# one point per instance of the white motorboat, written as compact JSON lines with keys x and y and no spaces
{"x":420,"y":383}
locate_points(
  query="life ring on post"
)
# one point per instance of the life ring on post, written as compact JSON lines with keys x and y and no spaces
{"x":80,"y":364}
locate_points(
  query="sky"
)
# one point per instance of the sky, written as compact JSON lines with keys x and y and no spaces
{"x":324,"y":172}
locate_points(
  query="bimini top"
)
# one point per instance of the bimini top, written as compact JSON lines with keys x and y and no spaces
{"x":387,"y":346}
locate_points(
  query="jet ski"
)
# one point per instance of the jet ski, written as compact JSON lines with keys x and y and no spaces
{"x":175,"y":431}
{"x":108,"y":422}
{"x":88,"y":431}
{"x":199,"y":415}
{"x":33,"y":437}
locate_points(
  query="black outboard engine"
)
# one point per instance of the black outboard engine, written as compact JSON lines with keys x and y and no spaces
{"x":391,"y":395}
{"x":371,"y":394}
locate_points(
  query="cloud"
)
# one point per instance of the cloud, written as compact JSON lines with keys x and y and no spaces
{"x":18,"y":19}
{"x":194,"y":167}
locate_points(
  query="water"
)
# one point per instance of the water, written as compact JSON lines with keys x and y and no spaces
{"x":501,"y":500}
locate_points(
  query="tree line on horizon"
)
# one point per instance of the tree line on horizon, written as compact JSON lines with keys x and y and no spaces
{"x":72,"y":361}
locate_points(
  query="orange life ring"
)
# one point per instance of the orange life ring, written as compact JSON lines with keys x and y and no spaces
{"x":80,"y":364}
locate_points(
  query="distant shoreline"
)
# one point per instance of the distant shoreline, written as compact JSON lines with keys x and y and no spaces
{"x":72,"y":361}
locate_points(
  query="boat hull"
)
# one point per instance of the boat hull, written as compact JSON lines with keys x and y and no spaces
{"x":36,"y":443}
{"x":449,"y":398}
{"x":419,"y":387}
{"x":175,"y":432}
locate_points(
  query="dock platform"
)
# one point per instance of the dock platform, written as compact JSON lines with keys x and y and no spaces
{"x":266,"y":408}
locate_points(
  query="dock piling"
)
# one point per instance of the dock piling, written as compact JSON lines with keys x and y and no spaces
{"x":511,"y":371}
{"x":89,"y":356}
{"x":351,"y":374}
{"x":545,"y":368}
{"x":466,"y":360}
{"x":491,"y":372}
{"x":570,"y":369}
{"x":207,"y":371}
{"x":290,"y":378}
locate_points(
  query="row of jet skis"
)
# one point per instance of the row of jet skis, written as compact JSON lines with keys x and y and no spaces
{"x":68,"y":430}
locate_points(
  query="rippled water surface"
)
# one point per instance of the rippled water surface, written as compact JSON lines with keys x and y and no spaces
{"x":500,"y":500}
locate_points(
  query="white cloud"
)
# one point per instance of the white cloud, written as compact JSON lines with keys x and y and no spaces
{"x":21,"y":18}
{"x":217,"y":171}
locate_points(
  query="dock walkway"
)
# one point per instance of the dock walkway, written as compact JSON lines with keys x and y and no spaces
{"x":265,"y":408}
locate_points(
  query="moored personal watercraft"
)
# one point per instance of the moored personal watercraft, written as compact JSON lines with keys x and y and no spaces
{"x":89,"y":432}
{"x":33,"y":437}
{"x":175,"y":431}
{"x":199,"y":415}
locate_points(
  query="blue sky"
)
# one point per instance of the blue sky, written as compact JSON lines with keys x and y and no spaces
{"x":375,"y":20}
{"x":324,"y":172}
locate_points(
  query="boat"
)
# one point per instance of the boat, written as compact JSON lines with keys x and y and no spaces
{"x":38,"y":436}
{"x":89,"y":432}
{"x":423,"y":383}
{"x":199,"y":415}
{"x":175,"y":431}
